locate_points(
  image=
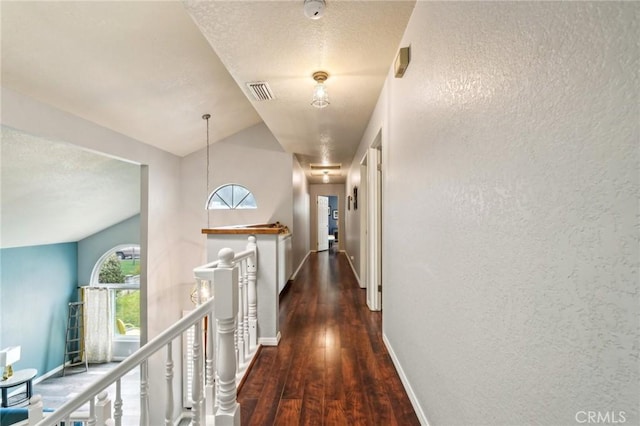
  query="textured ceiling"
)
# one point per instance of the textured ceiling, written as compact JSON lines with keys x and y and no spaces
{"x":150,"y":69}
{"x":355,"y":42}
{"x":140,"y":68}
{"x":64,"y":195}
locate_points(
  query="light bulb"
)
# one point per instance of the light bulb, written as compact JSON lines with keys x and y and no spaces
{"x":320,"y":96}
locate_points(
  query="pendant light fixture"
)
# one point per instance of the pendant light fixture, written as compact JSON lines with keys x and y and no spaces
{"x":207,"y":117}
{"x":320,"y":95}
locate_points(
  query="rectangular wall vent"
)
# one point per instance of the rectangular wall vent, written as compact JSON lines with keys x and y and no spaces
{"x":318,"y":166}
{"x":260,"y":90}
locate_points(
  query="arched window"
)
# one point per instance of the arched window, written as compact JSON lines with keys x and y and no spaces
{"x":119,"y":270}
{"x":231,"y":196}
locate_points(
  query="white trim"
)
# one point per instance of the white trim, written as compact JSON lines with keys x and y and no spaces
{"x":270,"y":341}
{"x":293,"y":276}
{"x":49,"y":373}
{"x":95,"y":272}
{"x":352,"y":268}
{"x":405,"y":382}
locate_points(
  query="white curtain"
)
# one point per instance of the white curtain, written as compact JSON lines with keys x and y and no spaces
{"x":98,"y":325}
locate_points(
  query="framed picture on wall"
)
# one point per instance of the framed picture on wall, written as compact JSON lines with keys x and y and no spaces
{"x":355,"y":198}
{"x":335,"y":214}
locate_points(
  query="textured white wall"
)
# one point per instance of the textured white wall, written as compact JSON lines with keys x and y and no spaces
{"x":300,"y":228}
{"x":511,"y":212}
{"x":377,"y":126}
{"x":251,"y":158}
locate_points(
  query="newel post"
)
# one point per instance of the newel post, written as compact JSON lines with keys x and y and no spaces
{"x":103,"y":408}
{"x":252,"y":268}
{"x":225,"y":279}
{"x":35,"y":409}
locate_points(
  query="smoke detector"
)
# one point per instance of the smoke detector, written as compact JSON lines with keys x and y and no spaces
{"x":314,"y":9}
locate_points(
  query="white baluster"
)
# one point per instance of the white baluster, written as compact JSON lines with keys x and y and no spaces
{"x":215,"y":372}
{"x":209,"y":387}
{"x":244,"y":298}
{"x":168,"y":417}
{"x":92,"y":412}
{"x":35,"y":409}
{"x":252,"y":267}
{"x":196,"y":392}
{"x":117,"y":405}
{"x":226,"y":311}
{"x":144,"y":394}
{"x":240,"y":350}
{"x":103,"y":408}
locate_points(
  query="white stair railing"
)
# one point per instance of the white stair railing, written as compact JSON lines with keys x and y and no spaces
{"x":234,"y":307}
{"x":234,"y":286}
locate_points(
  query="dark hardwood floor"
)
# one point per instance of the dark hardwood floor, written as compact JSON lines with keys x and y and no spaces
{"x":331,"y":366}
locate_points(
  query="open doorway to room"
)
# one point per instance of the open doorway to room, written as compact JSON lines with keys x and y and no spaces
{"x":334,"y":233}
{"x":371,"y":224}
{"x":327,"y":221}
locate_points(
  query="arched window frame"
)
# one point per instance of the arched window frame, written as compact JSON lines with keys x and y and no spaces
{"x":234,"y":205}
{"x":114,"y":287}
{"x":95,"y":273}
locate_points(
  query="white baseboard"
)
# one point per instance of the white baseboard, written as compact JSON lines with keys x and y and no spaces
{"x":405,"y":382}
{"x":293,"y":276}
{"x":353,"y":269}
{"x":270,"y":341}
{"x":48,"y":374}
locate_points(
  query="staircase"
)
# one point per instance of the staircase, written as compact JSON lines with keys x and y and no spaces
{"x":233,"y":340}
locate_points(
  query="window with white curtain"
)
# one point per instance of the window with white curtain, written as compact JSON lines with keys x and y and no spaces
{"x":118,"y":270}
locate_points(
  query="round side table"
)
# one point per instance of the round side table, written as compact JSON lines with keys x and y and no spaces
{"x":20,"y":377}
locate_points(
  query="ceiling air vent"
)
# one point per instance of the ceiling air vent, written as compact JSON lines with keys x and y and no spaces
{"x":318,"y":166}
{"x":260,"y":90}
{"x":327,"y":173}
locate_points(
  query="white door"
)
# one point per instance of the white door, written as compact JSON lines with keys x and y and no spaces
{"x":374,"y":230}
{"x":323,"y":223}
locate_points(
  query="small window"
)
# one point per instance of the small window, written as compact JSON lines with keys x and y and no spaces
{"x":230,"y":197}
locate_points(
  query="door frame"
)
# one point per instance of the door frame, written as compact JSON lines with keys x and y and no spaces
{"x":327,"y":190}
{"x":371,"y":224}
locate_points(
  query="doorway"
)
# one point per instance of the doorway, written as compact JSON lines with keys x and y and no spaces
{"x":371,"y":224}
{"x":326,"y":220}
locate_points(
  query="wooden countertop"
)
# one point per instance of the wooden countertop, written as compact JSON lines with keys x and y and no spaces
{"x":267,"y":228}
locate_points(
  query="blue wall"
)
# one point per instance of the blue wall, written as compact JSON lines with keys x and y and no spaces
{"x":36,"y":285}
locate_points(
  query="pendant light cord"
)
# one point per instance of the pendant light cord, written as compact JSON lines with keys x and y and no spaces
{"x":207,"y":117}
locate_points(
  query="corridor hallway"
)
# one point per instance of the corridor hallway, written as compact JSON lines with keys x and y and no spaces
{"x":331,"y":366}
